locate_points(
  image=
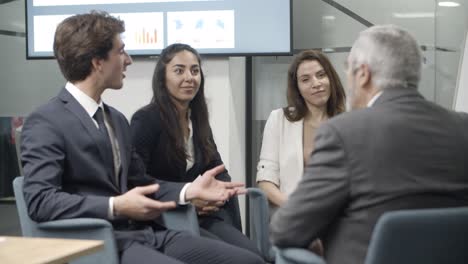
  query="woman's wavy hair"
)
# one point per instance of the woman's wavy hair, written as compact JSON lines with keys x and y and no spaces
{"x":175,"y":147}
{"x":297,"y":108}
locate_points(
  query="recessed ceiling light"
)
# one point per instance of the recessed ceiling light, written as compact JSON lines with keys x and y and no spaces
{"x":414,"y":15}
{"x":328,"y":17}
{"x":448,"y":4}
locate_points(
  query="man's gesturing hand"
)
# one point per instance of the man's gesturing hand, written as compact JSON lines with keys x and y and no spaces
{"x":135,"y":205}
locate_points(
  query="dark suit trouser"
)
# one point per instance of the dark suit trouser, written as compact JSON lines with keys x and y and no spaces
{"x":182,"y":247}
{"x":220,"y":230}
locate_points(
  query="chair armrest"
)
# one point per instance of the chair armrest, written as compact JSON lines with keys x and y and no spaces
{"x":71,"y":224}
{"x":182,"y":218}
{"x":297,"y":256}
{"x":83,"y":228}
{"x":259,"y":219}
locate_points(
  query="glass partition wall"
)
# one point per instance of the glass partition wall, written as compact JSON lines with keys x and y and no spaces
{"x":332,"y":27}
{"x":23,"y":86}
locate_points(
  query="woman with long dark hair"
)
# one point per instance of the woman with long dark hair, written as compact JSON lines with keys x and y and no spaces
{"x":173,"y":137}
{"x":314,"y":94}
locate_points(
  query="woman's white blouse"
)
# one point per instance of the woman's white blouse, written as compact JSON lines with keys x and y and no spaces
{"x":281,"y":159}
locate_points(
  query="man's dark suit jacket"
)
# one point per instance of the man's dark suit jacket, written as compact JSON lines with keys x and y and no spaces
{"x":65,"y":176}
{"x":403,"y":152}
{"x":148,"y":135}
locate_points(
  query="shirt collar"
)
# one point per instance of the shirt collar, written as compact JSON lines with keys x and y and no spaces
{"x":376,"y":96}
{"x":83,"y":99}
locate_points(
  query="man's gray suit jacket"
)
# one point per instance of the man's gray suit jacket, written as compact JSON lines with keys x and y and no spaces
{"x":403,"y":152}
{"x":65,"y":175}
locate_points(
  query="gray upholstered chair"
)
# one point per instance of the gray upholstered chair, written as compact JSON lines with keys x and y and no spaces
{"x":183,"y":218}
{"x":80,"y":228}
{"x":429,"y":236}
{"x":259,"y":219}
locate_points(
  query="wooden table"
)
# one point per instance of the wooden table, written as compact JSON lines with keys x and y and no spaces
{"x":29,"y":250}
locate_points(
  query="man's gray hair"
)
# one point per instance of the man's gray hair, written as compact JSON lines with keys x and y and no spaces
{"x":392,"y":55}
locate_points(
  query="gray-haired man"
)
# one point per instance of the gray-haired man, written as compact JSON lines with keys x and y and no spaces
{"x":396,"y":150}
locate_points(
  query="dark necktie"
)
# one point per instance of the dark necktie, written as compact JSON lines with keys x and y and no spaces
{"x":104,"y":136}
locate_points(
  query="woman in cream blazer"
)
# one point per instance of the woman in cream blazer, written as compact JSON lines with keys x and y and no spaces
{"x":314,"y":95}
{"x":281,"y":161}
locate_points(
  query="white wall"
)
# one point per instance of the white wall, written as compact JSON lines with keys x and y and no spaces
{"x":225,"y":94}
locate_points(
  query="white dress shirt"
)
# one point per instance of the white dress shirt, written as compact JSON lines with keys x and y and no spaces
{"x":374,"y":98}
{"x":189,"y":146}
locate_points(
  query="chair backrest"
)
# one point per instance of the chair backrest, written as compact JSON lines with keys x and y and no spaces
{"x":18,"y":149}
{"x":28,"y":226}
{"x":183,"y":218}
{"x":79,"y":228}
{"x":259,"y":219}
{"x":426,"y":236}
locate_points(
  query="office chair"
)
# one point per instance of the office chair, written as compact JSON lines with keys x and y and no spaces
{"x":79,"y":228}
{"x":259,"y":219}
{"x":428,"y":236}
{"x":183,"y":218}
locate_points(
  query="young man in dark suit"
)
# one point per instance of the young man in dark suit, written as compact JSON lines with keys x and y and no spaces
{"x":78,"y":159}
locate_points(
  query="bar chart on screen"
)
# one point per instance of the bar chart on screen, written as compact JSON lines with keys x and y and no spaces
{"x":143,"y":30}
{"x":144,"y":36}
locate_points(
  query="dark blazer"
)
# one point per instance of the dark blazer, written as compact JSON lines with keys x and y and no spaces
{"x":65,"y":176}
{"x":404,"y":152}
{"x":147,"y":135}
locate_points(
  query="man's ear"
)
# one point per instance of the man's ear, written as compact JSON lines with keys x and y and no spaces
{"x":364,"y":76}
{"x":97,"y":64}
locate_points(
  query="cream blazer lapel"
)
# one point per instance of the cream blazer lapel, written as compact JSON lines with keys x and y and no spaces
{"x":281,"y":159}
{"x":292,"y":167}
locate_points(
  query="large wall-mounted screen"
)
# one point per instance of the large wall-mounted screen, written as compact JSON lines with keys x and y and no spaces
{"x":230,"y":27}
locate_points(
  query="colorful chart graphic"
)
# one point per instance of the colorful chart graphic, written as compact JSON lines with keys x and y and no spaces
{"x":143,"y":30}
{"x":146,"y":37}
